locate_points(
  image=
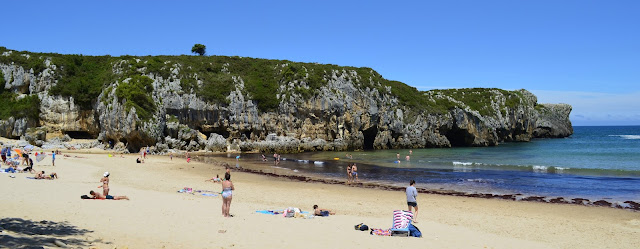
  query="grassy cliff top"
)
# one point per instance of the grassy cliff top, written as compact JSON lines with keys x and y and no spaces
{"x":212,"y":78}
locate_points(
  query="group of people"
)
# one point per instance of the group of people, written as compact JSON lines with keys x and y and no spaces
{"x":24,"y":160}
{"x":407,"y":157}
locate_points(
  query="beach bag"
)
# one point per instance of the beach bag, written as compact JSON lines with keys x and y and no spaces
{"x":362,"y":227}
{"x":85,"y":197}
{"x":414,"y":231}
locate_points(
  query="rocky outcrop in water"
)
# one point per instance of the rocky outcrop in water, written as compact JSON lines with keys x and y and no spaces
{"x":343,"y":113}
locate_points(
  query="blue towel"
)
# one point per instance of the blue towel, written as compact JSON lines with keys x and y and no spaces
{"x":208,"y":194}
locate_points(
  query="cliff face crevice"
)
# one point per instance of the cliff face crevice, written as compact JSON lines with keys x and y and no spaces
{"x":348,"y":111}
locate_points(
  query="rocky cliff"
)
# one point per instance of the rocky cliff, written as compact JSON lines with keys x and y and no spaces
{"x":221,"y":103}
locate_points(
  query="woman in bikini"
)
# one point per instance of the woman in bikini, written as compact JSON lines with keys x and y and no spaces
{"x":105,"y":184}
{"x":227,"y":187}
{"x":349,"y":178}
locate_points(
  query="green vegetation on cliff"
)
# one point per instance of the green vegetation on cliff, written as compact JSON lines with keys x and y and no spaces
{"x":82,"y":77}
{"x":212,"y":78}
{"x":136,"y":93}
{"x":11,"y":105}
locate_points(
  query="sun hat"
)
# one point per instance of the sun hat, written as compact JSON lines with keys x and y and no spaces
{"x":106,"y":174}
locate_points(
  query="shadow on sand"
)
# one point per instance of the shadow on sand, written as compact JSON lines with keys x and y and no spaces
{"x":20,"y":233}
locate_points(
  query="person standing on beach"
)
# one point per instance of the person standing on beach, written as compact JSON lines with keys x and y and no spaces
{"x":398,"y":156}
{"x":188,"y":156}
{"x":412,"y":194}
{"x":349,"y":178}
{"x":354,"y":173}
{"x":53,"y":158}
{"x":227,"y":188}
{"x":105,"y":184}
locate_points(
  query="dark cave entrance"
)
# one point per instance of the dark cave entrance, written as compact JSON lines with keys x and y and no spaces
{"x":369,"y":137}
{"x":79,"y":135}
{"x":459,"y":138}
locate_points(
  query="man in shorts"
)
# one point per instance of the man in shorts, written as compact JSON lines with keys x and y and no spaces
{"x":412,"y":194}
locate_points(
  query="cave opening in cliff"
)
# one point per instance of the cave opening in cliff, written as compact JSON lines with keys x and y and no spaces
{"x":369,"y":137}
{"x":459,"y":137}
{"x":80,"y":135}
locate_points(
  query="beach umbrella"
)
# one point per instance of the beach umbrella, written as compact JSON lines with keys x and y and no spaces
{"x":18,"y":151}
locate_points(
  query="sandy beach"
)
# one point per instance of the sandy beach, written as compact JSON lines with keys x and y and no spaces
{"x":39,"y":212}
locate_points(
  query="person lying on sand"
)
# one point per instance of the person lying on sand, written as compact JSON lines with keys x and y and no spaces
{"x":322,"y":212}
{"x":96,"y":195}
{"x":216,"y":179}
{"x":41,"y":175}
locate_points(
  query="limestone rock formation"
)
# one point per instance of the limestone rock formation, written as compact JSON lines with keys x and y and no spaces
{"x":351,"y":110}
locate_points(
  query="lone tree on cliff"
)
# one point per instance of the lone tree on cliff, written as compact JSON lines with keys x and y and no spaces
{"x":199,"y":49}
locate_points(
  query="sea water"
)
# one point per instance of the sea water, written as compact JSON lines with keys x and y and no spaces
{"x":596,"y":163}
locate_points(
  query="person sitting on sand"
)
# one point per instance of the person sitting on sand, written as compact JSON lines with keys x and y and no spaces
{"x":95,"y":195}
{"x":322,"y":212}
{"x":30,"y":167}
{"x":139,"y":161}
{"x":41,"y":175}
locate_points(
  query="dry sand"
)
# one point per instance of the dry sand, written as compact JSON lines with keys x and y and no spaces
{"x":159,"y":217}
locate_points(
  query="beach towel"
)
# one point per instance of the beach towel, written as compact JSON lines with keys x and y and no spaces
{"x":381,"y":232}
{"x":271,"y":212}
{"x":209,"y":194}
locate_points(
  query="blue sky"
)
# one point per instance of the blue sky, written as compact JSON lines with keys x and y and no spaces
{"x":584,"y":53}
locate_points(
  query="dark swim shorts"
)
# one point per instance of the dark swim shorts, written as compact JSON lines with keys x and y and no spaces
{"x":324,"y":213}
{"x":413,"y":204}
{"x":109,"y":197}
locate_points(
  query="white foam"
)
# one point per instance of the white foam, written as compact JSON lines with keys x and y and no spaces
{"x":560,"y":169}
{"x":318,"y":162}
{"x":626,"y":136}
{"x":463,"y":163}
{"x":540,"y":169}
